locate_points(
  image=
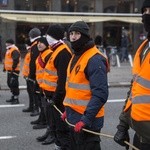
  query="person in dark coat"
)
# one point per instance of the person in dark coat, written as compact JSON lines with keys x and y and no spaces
{"x":12,"y":66}
{"x":136,"y":110}
{"x":86,"y":89}
{"x":34,"y":35}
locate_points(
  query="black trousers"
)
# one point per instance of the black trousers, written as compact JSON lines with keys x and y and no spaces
{"x":84,"y":141}
{"x":140,"y":145}
{"x":58,"y":128}
{"x":33,"y":96}
{"x":30,"y":93}
{"x":13,"y":83}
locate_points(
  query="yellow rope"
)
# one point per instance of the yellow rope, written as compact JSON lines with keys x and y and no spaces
{"x":96,"y":133}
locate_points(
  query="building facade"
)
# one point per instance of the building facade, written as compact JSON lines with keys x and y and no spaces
{"x":110,"y":31}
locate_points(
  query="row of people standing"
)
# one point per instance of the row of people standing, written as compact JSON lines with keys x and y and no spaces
{"x":87,"y":90}
{"x":85,"y":71}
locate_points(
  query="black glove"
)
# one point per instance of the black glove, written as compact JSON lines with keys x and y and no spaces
{"x":13,"y":82}
{"x":50,"y":101}
{"x":122,"y":136}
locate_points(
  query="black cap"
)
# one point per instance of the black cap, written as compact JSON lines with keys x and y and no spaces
{"x":43,"y":40}
{"x":10,"y":41}
{"x":146,"y":4}
{"x":56,"y":31}
{"x":81,"y":27}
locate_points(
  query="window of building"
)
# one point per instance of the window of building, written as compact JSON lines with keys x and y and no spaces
{"x":34,"y":5}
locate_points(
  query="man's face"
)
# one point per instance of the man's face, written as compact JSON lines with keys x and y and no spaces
{"x":74,"y":36}
{"x":41,"y":46}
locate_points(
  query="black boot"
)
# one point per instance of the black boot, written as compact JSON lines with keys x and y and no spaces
{"x":10,"y":100}
{"x":15,"y":101}
{"x":34,"y":113}
{"x":40,"y":125}
{"x":35,"y":122}
{"x":43,"y":137}
{"x":27,"y":109}
{"x":48,"y":140}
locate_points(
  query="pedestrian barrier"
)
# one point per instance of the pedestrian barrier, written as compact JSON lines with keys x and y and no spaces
{"x":96,"y":133}
{"x":130,"y":60}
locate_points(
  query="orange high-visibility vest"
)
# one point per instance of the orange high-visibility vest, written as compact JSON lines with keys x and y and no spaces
{"x":25,"y":68}
{"x":78,"y":92}
{"x":8,"y":62}
{"x":39,"y":68}
{"x":50,"y":76}
{"x":139,"y":99}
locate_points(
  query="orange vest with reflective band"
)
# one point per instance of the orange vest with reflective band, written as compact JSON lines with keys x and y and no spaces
{"x":50,"y":77}
{"x":25,"y":68}
{"x":78,"y":92}
{"x":139,"y":99}
{"x":39,"y":68}
{"x":8,"y":62}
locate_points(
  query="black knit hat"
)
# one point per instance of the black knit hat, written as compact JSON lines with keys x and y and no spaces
{"x":35,"y":32}
{"x":81,"y":27}
{"x":43,"y":40}
{"x":146,"y":3}
{"x":56,"y":31}
{"x":10,"y":41}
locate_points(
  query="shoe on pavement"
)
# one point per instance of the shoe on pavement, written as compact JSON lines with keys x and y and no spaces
{"x":34,"y":113}
{"x":49,"y":140}
{"x":43,"y":137}
{"x":15,"y":101}
{"x":40,"y":126}
{"x":10,"y":100}
{"x":27,"y":110}
{"x":35,"y":122}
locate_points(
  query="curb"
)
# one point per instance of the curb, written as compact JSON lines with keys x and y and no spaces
{"x":110,"y":85}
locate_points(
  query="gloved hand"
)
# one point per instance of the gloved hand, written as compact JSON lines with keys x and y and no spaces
{"x":13,"y":82}
{"x":50,"y":101}
{"x":64,"y":116}
{"x":78,"y":126}
{"x":12,"y":71}
{"x":122,"y":136}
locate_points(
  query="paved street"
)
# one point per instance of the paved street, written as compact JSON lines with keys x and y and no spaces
{"x":16,"y":124}
{"x":16,"y":132}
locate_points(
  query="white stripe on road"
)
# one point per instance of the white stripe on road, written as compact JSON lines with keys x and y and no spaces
{"x":7,"y":137}
{"x":115,"y":100}
{"x":21,"y":105}
{"x":18,"y":105}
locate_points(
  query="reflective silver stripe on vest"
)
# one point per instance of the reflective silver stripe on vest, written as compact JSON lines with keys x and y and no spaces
{"x":51,"y":72}
{"x":8,"y":65}
{"x":76,"y":102}
{"x":50,"y":83}
{"x":39,"y":71}
{"x":39,"y":80}
{"x":144,"y":99}
{"x":143,"y":82}
{"x":9,"y":60}
{"x":79,"y":86}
